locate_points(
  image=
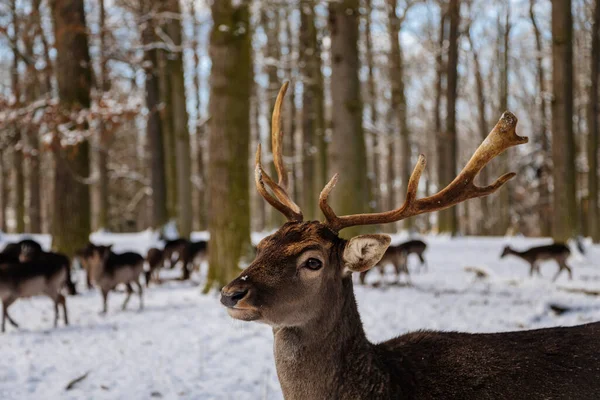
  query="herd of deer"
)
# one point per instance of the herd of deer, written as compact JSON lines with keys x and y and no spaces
{"x":26,"y":270}
{"x":300,"y":284}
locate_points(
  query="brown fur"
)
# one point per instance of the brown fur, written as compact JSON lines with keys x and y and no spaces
{"x":557,"y":252}
{"x":20,"y":280}
{"x":398,"y":257}
{"x":321,"y":350}
{"x":110,"y":269}
{"x":155,"y":260}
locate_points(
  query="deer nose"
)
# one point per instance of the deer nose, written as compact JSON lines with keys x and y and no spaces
{"x":230,"y":299}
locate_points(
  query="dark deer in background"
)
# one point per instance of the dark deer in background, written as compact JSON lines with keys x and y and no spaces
{"x":557,"y":252}
{"x":398,"y":257}
{"x":111,"y":269}
{"x":300,"y":283}
{"x":155,"y":260}
{"x":395,"y":256}
{"x":34,"y":278}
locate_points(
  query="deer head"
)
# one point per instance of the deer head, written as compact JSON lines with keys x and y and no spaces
{"x":300,"y":271}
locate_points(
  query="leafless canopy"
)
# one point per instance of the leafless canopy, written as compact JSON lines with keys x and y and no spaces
{"x":462,"y":188}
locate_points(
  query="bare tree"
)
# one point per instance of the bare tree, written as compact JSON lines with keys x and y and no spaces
{"x":545,"y":206}
{"x":230,"y":92}
{"x":154,"y":124}
{"x":563,"y":141}
{"x":313,"y":110}
{"x":593,"y":129}
{"x":482,"y":126}
{"x":450,"y":220}
{"x":71,"y":213}
{"x":347,"y":152}
{"x":375,"y":191}
{"x":398,"y":99}
{"x":179,"y":117}
{"x":441,"y":140}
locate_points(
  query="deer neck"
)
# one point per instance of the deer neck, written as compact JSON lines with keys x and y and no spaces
{"x":315,"y":360}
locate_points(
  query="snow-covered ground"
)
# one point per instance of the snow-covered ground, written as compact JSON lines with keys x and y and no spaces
{"x":184,"y":346}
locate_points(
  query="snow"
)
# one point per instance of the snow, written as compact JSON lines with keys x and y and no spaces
{"x":183,"y":345}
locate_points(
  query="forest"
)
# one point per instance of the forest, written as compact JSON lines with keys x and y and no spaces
{"x":124,"y":115}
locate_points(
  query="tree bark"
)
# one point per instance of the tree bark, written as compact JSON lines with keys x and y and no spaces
{"x":563,"y":143}
{"x":154,"y":130}
{"x":545,"y":206}
{"x":71,"y":214}
{"x":18,"y":178}
{"x":594,"y":130}
{"x":313,"y":113}
{"x":347,"y":151}
{"x":483,"y":132}
{"x":441,"y":147}
{"x":290,"y":111}
{"x":3,"y":194}
{"x":398,"y":98}
{"x":375,"y":192}
{"x":502,"y":208}
{"x":451,"y":94}
{"x":231,"y":86}
{"x":200,"y":129}
{"x":180,"y":123}
{"x":270,"y":21}
{"x":102,"y":204}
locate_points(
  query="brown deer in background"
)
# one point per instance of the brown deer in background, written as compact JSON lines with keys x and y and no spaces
{"x":557,"y":252}
{"x":398,"y":257}
{"x":110,"y":269}
{"x":33,"y":278}
{"x":300,"y":283}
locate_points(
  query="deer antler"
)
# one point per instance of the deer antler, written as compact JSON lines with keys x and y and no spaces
{"x":460,"y":189}
{"x":281,"y":201}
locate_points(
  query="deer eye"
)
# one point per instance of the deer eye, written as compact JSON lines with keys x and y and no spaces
{"x":313,"y":264}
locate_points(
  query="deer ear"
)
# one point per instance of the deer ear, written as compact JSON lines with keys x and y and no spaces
{"x":365,"y":251}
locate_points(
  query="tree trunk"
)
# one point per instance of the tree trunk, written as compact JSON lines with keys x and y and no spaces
{"x":451,"y":94}
{"x":563,"y":143}
{"x":71,"y":214}
{"x":231,"y":86}
{"x":398,"y":99}
{"x":200,"y":129}
{"x":166,"y":115}
{"x":289,"y":122}
{"x":18,"y":180}
{"x":180,"y":123}
{"x":375,"y":192}
{"x":502,"y":208}
{"x":154,"y":130}
{"x":483,"y":132}
{"x":32,"y":92}
{"x":348,"y":153}
{"x":441,"y":147}
{"x":545,"y":206}
{"x":594,"y":130}
{"x":102,"y":204}
{"x":270,"y":20}
{"x":313,"y":113}
{"x":3,"y":196}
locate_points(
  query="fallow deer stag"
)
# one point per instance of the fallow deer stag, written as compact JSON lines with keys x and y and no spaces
{"x":300,"y":284}
{"x":556,"y":251}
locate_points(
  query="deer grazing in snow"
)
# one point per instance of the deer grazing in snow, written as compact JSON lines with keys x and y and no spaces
{"x":300,"y":284}
{"x":557,"y":252}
